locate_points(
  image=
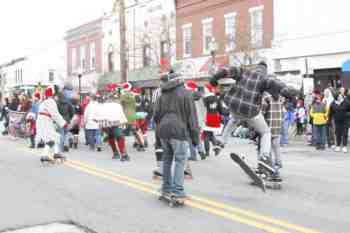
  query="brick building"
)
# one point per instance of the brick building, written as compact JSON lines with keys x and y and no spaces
{"x":214,"y":33}
{"x":84,"y":54}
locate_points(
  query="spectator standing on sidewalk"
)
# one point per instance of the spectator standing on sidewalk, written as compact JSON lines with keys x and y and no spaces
{"x":300,"y":117}
{"x":176,"y":118}
{"x":288,"y":119}
{"x":328,"y":100}
{"x":319,"y":114}
{"x":340,"y":113}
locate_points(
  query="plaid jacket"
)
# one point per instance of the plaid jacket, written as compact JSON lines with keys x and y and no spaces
{"x":244,"y":99}
{"x":273,"y":113}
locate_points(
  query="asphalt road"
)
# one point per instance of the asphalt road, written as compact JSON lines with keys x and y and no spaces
{"x":110,"y":196}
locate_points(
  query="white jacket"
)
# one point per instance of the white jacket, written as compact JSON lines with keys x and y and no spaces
{"x":90,"y":115}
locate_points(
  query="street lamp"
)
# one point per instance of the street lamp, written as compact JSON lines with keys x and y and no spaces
{"x":80,"y":74}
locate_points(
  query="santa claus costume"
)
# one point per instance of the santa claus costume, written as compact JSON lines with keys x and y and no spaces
{"x":48,"y":121}
{"x":212,"y":120}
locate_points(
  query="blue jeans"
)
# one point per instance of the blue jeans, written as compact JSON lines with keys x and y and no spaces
{"x":179,"y":151}
{"x":91,"y":137}
{"x":320,"y":131}
{"x":98,"y":138}
{"x":284,"y":132}
{"x":63,"y":139}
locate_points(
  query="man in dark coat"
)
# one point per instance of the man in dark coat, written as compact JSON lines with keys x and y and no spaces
{"x":176,"y":119}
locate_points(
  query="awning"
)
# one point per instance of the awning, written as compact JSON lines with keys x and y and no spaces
{"x":345,"y":77}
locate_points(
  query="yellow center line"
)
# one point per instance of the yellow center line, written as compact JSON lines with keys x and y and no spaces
{"x":212,"y":203}
{"x":220,"y":213}
{"x":216,"y":208}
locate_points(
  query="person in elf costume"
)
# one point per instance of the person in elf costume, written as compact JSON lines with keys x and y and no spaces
{"x":111,"y":119}
{"x":127,"y":100}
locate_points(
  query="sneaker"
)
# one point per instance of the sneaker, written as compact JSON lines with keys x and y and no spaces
{"x":333,"y":147}
{"x":99,"y":149}
{"x":217,"y":150}
{"x":116,"y":156}
{"x":125,"y":158}
{"x":140,"y":148}
{"x":202,"y":155}
{"x":266,"y":163}
{"x":337,"y":149}
{"x":345,"y":150}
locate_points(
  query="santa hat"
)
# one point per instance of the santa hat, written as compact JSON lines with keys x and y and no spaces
{"x":136,"y":91}
{"x":37,"y":95}
{"x":49,"y":92}
{"x":127,"y":86}
{"x":191,"y":86}
{"x":209,"y":90}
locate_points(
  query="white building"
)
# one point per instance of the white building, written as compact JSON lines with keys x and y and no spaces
{"x":150,"y":36}
{"x":45,"y":67}
{"x":311,"y":38}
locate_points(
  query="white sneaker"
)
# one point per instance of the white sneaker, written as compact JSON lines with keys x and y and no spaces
{"x":345,"y":150}
{"x":333,"y":147}
{"x":337,"y":149}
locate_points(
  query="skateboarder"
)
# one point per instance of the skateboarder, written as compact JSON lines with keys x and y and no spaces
{"x":175,"y":116}
{"x":272,"y":108}
{"x":244,"y":101}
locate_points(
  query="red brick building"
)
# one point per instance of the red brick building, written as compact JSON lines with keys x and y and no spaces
{"x":84,"y":53}
{"x":212,"y":33}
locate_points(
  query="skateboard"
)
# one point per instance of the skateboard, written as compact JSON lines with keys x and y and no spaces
{"x":249,"y":171}
{"x":47,"y":160}
{"x":159,"y":176}
{"x":172,"y":201}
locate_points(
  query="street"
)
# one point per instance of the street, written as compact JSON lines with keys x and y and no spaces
{"x":110,"y":196}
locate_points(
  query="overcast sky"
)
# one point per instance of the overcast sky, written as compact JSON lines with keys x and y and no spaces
{"x":29,"y":26}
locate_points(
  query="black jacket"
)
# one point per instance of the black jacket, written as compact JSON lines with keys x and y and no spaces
{"x":175,"y":113}
{"x":340,"y":112}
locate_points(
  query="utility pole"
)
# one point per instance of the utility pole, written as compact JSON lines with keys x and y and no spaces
{"x":122,"y":29}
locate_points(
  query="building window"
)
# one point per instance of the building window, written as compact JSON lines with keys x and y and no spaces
{"x":111,"y":61}
{"x":164,"y":49}
{"x":230,"y":31}
{"x":21,"y":75}
{"x":256,"y":26}
{"x":187,"y":40}
{"x":207,"y":33}
{"x":82,"y":57}
{"x":93,"y":56}
{"x":74,"y":58}
{"x":51,"y":76}
{"x":146,"y":57}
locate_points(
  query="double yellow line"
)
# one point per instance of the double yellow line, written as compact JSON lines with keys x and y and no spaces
{"x":235,"y":214}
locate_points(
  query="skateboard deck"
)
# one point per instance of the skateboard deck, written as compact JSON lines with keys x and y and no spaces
{"x":172,"y":201}
{"x":249,"y":171}
{"x":51,"y":160}
{"x":158,"y":176}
